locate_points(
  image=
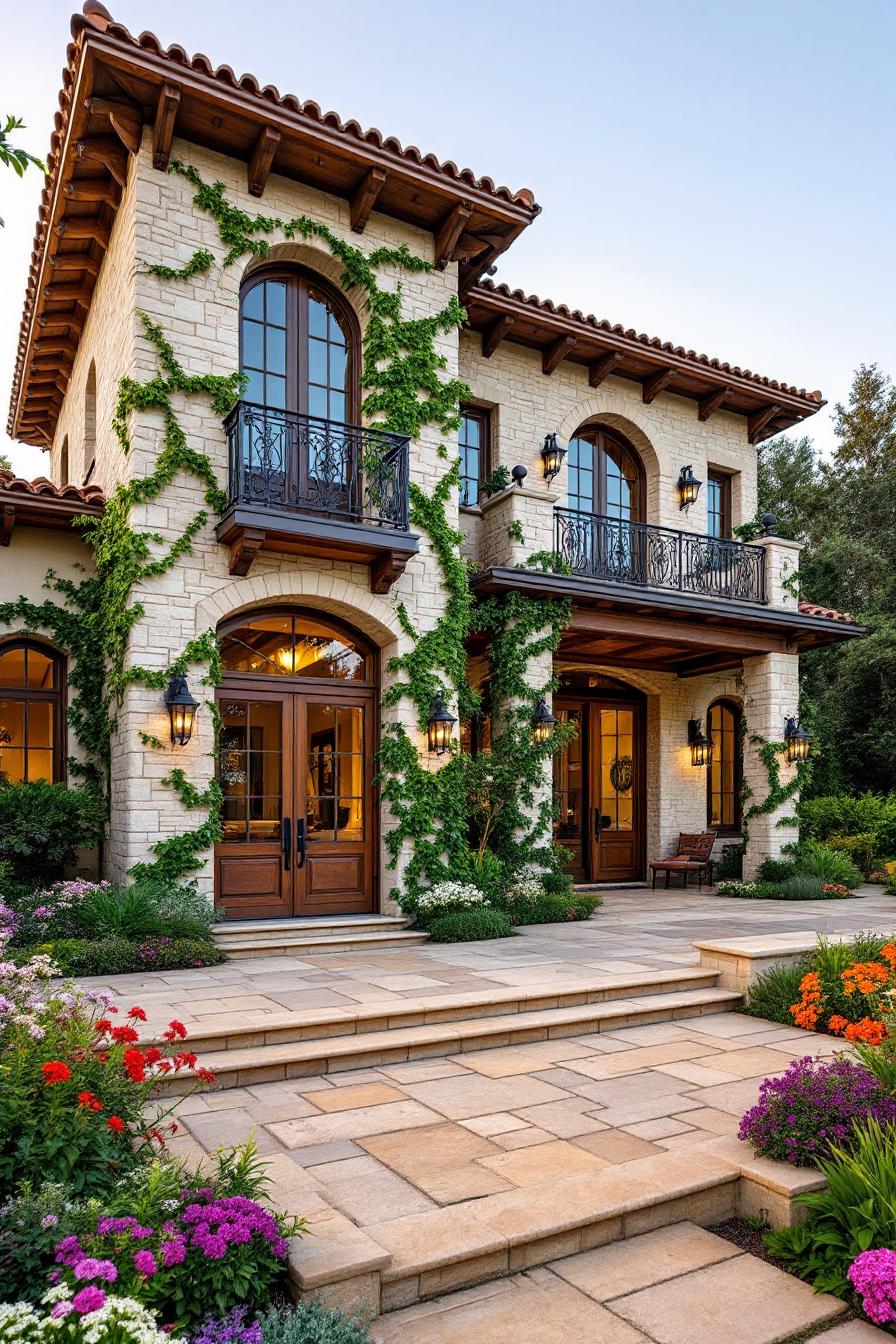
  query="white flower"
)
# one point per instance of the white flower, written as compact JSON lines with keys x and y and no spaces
{"x":450,"y":896}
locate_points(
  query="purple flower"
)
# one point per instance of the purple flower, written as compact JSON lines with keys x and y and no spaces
{"x":231,"y":1330}
{"x":145,"y":1262}
{"x":61,"y":1309}
{"x":89,"y":1299}
{"x":173,"y":1253}
{"x":88,"y":1268}
{"x":873,"y":1275}
{"x":49,"y":1220}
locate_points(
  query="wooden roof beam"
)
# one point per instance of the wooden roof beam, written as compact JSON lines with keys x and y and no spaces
{"x":55,"y":346}
{"x":449,"y":232}
{"x":62,"y":293}
{"x":603,"y":367}
{"x":654,"y":385}
{"x":266,"y":147}
{"x":126,"y":119}
{"x":91,"y":229}
{"x":365,"y":197}
{"x":94,"y":189}
{"x":557,"y":350}
{"x":759,"y":421}
{"x":498,"y":332}
{"x":163,"y":126}
{"x":712,"y":402}
{"x":60,"y":324}
{"x":104,"y":151}
{"x":68,"y":263}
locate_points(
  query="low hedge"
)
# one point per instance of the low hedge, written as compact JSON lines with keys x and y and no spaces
{"x":120,"y":956}
{"x":470,"y":926}
{"x":559,"y":909}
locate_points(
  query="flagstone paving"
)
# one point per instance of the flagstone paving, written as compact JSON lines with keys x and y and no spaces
{"x":634,"y":931}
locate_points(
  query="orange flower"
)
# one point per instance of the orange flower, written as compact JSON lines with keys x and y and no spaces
{"x":867,"y":1030}
{"x":864,"y":976}
{"x":837,"y":1024}
{"x":889,"y":955}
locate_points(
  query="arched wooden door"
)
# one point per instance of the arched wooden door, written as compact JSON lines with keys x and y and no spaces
{"x":298,"y":708}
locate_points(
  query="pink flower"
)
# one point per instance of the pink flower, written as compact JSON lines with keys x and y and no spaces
{"x":88,"y":1299}
{"x":145,"y":1262}
{"x":62,"y":1309}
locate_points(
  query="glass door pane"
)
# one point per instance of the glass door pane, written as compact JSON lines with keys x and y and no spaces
{"x":617,"y":769}
{"x":335,"y":773}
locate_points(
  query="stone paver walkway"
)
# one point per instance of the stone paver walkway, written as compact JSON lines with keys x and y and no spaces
{"x":679,"y":1285}
{"x":634,"y":931}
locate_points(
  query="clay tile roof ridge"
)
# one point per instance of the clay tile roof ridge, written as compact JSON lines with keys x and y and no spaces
{"x":95,"y":16}
{"x":655,"y":342}
{"x":40,"y":486}
{"x":825,"y":613}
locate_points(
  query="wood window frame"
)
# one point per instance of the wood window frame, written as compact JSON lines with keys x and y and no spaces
{"x":733,"y":827}
{"x":29,"y":694}
{"x":483,"y":415}
{"x":722,"y":481}
{"x":297,"y":280}
{"x":331,"y":624}
{"x":598,"y":436}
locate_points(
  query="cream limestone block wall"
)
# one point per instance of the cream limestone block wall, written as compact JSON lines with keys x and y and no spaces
{"x":200,"y":318}
{"x":782,"y":565}
{"x":23,"y":569}
{"x":771,"y":693}
{"x":107,"y":343}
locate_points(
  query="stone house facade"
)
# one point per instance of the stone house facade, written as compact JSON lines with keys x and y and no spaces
{"x":313,"y":592}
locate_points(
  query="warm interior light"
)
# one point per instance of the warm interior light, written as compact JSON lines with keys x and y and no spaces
{"x":688,"y":488}
{"x":797,"y":741}
{"x":701,"y":746}
{"x":543,"y":723}
{"x":441,"y":722}
{"x":552,"y":456}
{"x":181,"y":710}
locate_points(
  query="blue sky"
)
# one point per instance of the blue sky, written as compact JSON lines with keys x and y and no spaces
{"x":717,"y":174}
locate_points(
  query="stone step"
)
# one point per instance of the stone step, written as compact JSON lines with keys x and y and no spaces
{"x":292,"y":943}
{"x":249,"y":1065}
{"x":319,"y":926}
{"x":316,"y":1023}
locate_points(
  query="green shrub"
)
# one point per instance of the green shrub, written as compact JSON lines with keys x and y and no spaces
{"x":120,"y":956}
{"x":310,"y":1322}
{"x":560,"y":909}
{"x":774,"y":870}
{"x":470,"y":926}
{"x":862,"y":849}
{"x":145,"y":910}
{"x":731,"y":864}
{"x":771,"y":993}
{"x":42,"y":825}
{"x":802,"y":887}
{"x":841,"y":814}
{"x":830,"y":865}
{"x":856,"y":1211}
{"x":32,"y":1223}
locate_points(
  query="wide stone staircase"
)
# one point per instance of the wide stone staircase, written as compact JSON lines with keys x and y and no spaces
{"x":323,"y":934}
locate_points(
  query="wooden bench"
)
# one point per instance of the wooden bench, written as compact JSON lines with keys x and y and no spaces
{"x":693,"y":855}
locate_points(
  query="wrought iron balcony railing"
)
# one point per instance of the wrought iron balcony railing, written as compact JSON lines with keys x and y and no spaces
{"x":659,"y":557}
{"x":282,"y":460}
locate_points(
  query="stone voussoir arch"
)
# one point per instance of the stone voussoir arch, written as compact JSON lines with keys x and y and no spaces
{"x":617,"y":411}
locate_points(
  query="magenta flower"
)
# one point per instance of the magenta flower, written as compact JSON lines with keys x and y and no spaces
{"x":88,"y":1299}
{"x":88,"y":1268}
{"x":61,"y":1309}
{"x":145,"y":1261}
{"x":873,"y":1275}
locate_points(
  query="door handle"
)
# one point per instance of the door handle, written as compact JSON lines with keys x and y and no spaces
{"x":300,"y":842}
{"x":600,"y":823}
{"x":287,"y":842}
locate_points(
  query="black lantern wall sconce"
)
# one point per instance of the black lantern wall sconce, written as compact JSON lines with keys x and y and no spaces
{"x":688,"y":488}
{"x":543,"y":723}
{"x":796,"y":740}
{"x":441,"y":722}
{"x":181,"y":710}
{"x":700,"y":745}
{"x":552,"y":455}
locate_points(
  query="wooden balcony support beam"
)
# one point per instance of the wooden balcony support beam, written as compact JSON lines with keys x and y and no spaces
{"x":555,"y":352}
{"x":70,"y":263}
{"x":365,"y":197}
{"x":603,"y":367}
{"x":89,"y":228}
{"x":496,"y":333}
{"x":163,"y":126}
{"x":94,"y":189}
{"x":654,"y":385}
{"x":450,"y":230}
{"x":126,"y":119}
{"x":712,"y":402}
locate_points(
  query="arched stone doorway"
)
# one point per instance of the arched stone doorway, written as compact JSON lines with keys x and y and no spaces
{"x":298,"y":706}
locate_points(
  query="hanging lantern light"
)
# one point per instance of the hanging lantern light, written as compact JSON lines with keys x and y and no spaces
{"x":441,"y":722}
{"x":181,"y":710}
{"x":797,"y":741}
{"x":552,"y":456}
{"x":688,"y":488}
{"x":543,"y":723}
{"x":700,"y":745}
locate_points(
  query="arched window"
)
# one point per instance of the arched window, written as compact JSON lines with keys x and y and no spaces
{"x":90,"y":423}
{"x":723,"y":802}
{"x":63,"y":462}
{"x":299,"y":345}
{"x":295,"y":644}
{"x":606,"y":475}
{"x":31,"y":723}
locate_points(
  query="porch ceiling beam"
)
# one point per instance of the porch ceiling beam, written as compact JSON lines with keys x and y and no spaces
{"x":685,"y":634}
{"x":365,"y":197}
{"x":496,"y":333}
{"x":163,"y":127}
{"x":713,"y":662}
{"x":555,"y":352}
{"x":709,"y":404}
{"x":759,"y":421}
{"x":266,"y":147}
{"x":654,"y":385}
{"x":603,"y":367}
{"x":126,"y":119}
{"x":450,"y":230}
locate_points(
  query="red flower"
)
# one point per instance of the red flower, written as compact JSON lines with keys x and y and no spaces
{"x":206,"y":1075}
{"x":134,"y":1066}
{"x":176,"y":1031}
{"x":56,"y":1072}
{"x":116,"y":1124}
{"x":90,"y":1101}
{"x":124,"y":1034}
{"x":111,"y":1008}
{"x":103,"y":1025}
{"x":185,"y":1060}
{"x":137,"y":1013}
{"x":152,"y":1055}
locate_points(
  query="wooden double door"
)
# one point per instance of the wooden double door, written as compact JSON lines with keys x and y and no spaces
{"x":599,"y":788}
{"x":296,"y":770}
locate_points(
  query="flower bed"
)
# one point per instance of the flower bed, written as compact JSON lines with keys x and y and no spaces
{"x":461,"y":912}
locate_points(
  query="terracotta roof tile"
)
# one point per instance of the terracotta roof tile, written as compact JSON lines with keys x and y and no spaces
{"x":826,"y":613}
{"x":652,"y":342}
{"x":10,"y":483}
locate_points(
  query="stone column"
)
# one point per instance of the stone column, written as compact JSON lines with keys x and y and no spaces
{"x":771,"y":694}
{"x":782,"y":566}
{"x":520,"y":511}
